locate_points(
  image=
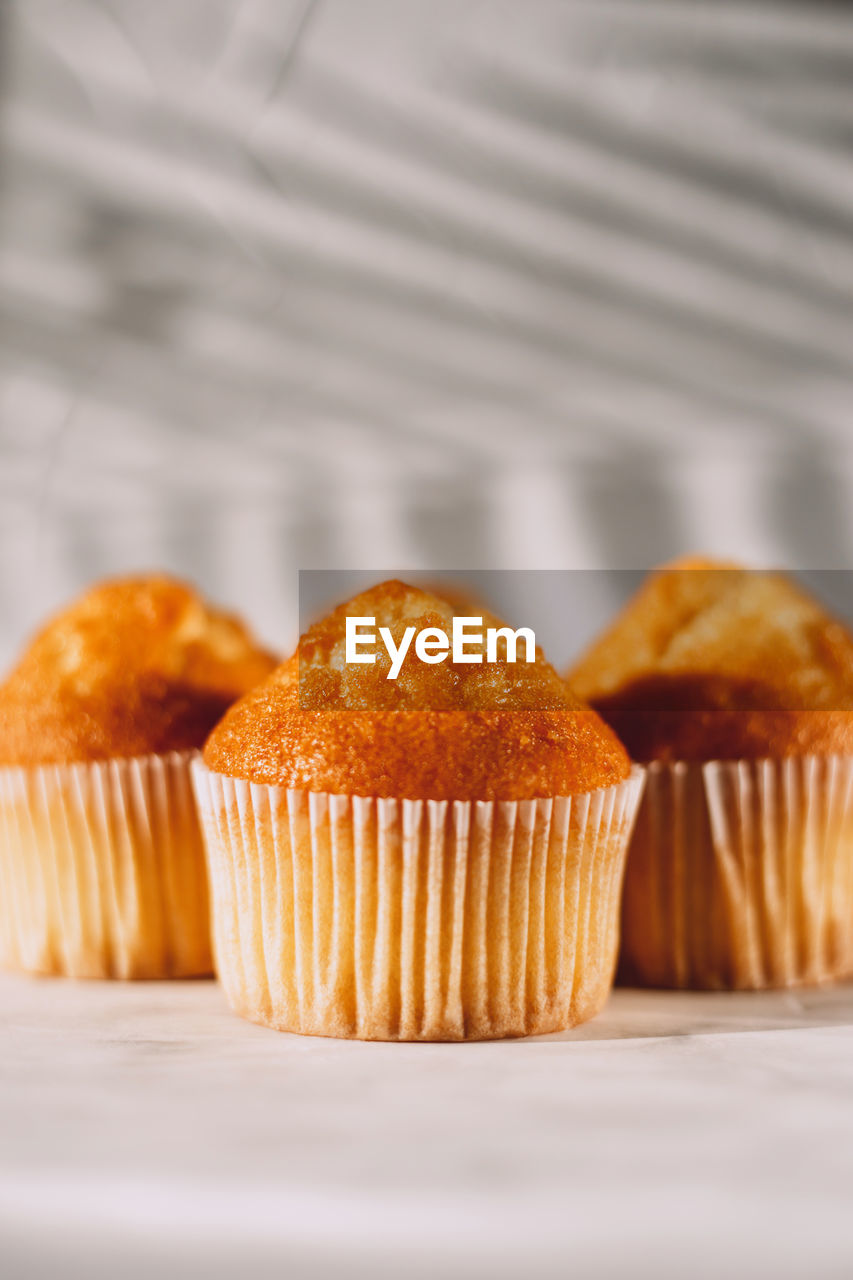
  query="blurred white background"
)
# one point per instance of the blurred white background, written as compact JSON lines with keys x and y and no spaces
{"x":419,"y":283}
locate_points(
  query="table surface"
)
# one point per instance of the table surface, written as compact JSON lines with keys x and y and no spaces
{"x":144,"y":1126}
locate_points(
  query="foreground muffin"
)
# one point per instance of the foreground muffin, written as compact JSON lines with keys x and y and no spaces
{"x":101,"y":862}
{"x":436,"y":857}
{"x":737,"y":687}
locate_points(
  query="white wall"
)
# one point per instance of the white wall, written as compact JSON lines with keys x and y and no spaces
{"x":396,"y":285}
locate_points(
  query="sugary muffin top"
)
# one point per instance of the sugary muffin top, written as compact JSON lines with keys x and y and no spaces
{"x":711,"y":661}
{"x":495,"y":730}
{"x":135,"y":666}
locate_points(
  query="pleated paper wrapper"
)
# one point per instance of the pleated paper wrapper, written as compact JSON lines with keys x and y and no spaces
{"x":414,"y":920}
{"x":102,"y":870}
{"x":740,"y":875}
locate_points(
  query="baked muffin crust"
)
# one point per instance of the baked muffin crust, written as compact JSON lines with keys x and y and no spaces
{"x":137,"y":665}
{"x":711,"y":661}
{"x":441,"y":732}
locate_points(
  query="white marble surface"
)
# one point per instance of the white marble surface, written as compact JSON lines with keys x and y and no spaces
{"x":144,"y":1129}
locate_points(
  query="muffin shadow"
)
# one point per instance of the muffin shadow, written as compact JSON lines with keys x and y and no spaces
{"x":634,"y":1013}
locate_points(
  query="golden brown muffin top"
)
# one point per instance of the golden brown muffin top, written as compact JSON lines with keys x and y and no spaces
{"x":711,"y":661}
{"x":442,"y":732}
{"x":136,"y":666}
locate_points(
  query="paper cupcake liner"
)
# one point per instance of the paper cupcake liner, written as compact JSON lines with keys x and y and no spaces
{"x":740,"y":875}
{"x":414,"y":919}
{"x":102,"y":870}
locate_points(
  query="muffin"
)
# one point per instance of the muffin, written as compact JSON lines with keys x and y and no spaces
{"x":433,"y":857}
{"x":102,"y":868}
{"x":736,"y":687}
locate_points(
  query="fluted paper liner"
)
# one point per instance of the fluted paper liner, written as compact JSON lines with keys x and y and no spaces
{"x":740,"y":875}
{"x":102,"y":870}
{"x":414,"y":919}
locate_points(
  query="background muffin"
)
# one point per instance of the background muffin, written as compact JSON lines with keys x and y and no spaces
{"x":101,"y":868}
{"x":433,"y":857}
{"x":737,"y":687}
{"x":711,"y":661}
{"x":137,"y":666}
